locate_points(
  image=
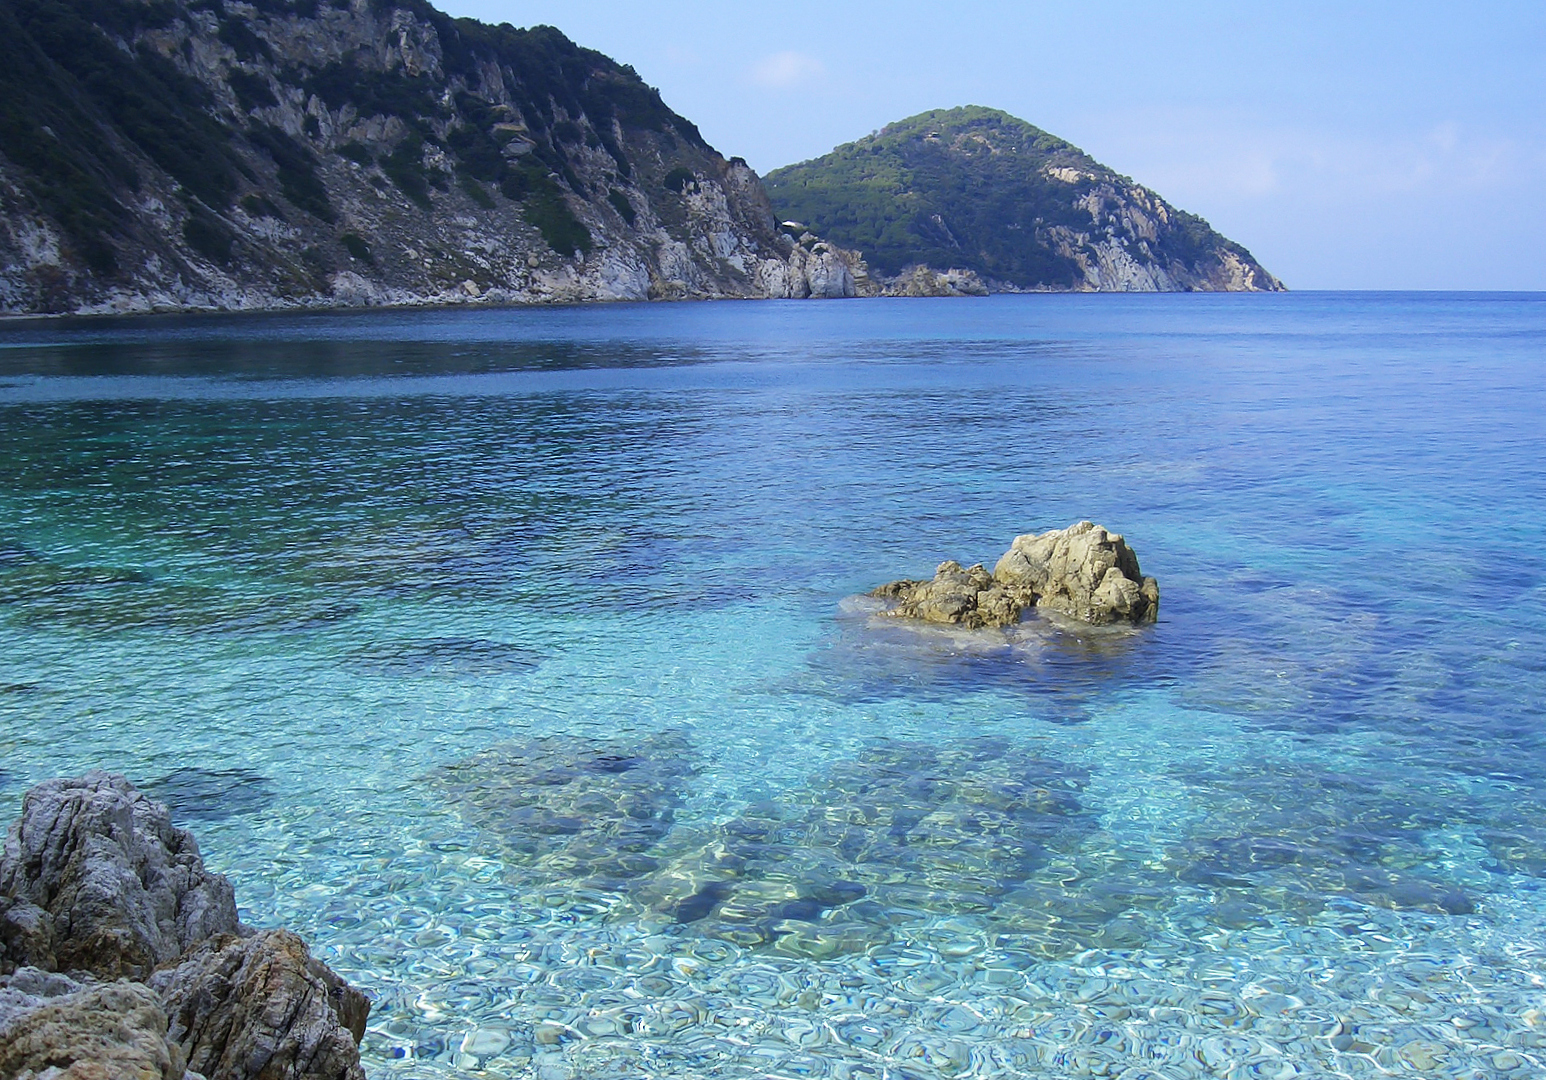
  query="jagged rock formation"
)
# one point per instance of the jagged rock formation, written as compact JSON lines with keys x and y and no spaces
{"x":975,"y":189}
{"x":111,"y":886}
{"x":95,"y":880}
{"x":311,"y":1023}
{"x":1082,"y":571}
{"x":242,"y":154}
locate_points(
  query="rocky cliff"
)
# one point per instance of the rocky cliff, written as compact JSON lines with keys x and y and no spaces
{"x":184,"y":154}
{"x":977,"y":191}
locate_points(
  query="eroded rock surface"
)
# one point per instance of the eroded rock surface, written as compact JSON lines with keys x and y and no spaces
{"x":926,"y":281}
{"x":309,"y":1025}
{"x":97,"y":882}
{"x":1083,"y":571}
{"x":65,"y":1030}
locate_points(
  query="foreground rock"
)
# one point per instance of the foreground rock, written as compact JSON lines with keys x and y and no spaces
{"x":114,"y":888}
{"x":109,"y":1030}
{"x":162,"y":978}
{"x":1083,"y":571}
{"x":309,"y":1024}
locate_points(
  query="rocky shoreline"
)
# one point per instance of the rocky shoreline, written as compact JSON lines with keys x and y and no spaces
{"x":121,"y":956}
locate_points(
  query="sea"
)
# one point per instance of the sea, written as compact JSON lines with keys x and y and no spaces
{"x":521,"y":661}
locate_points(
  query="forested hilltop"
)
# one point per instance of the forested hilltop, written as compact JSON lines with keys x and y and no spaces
{"x":173,"y":154}
{"x":980,"y":191}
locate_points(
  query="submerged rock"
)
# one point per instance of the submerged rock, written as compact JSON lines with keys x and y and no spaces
{"x":1082,"y":571}
{"x":589,"y":813}
{"x":96,"y":881}
{"x":903,"y":832}
{"x":446,"y":656}
{"x":1285,"y":838}
{"x":212,"y":794}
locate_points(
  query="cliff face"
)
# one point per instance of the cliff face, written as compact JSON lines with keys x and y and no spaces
{"x":976,"y":190}
{"x":184,"y":154}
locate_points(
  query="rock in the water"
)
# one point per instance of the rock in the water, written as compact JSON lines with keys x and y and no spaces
{"x":124,"y":890}
{"x":1082,"y":571}
{"x":965,"y":597}
{"x":926,"y":281}
{"x":212,"y":794}
{"x":575,"y":810}
{"x":903,"y":828}
{"x":263,"y":1008}
{"x":111,"y":1031}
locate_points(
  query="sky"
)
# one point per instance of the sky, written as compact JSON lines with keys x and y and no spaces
{"x":1349,"y":145}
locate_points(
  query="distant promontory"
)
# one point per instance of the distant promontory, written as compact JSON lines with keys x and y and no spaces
{"x":1006,"y":207}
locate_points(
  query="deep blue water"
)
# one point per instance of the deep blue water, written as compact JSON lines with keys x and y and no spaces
{"x":513,"y":657}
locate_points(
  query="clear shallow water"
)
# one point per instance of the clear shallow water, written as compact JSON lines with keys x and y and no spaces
{"x":511,"y":657}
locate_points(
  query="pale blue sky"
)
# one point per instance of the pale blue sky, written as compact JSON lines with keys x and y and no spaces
{"x":1366,"y":146}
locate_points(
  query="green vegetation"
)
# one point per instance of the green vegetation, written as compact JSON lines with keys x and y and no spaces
{"x":621,"y":204}
{"x":206,"y":235}
{"x":244,"y":40}
{"x":298,"y":179}
{"x":478,"y":193}
{"x":252,"y":91}
{"x":404,"y":166}
{"x":564,"y":232}
{"x":89,"y":106}
{"x":260,"y":206}
{"x":679,"y":179}
{"x":56,"y":60}
{"x":972,"y":188}
{"x":374,"y":93}
{"x":358,"y":249}
{"x":358,"y":153}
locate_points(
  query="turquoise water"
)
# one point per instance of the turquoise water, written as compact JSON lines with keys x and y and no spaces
{"x":516,"y":659}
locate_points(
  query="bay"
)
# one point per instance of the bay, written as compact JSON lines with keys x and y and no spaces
{"x":513,"y":658}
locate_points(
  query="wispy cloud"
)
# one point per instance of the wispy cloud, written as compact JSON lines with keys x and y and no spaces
{"x":783,"y":70}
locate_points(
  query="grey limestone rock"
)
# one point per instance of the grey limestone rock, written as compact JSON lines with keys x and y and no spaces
{"x":124,"y":890}
{"x":95,"y":880}
{"x":26,"y":935}
{"x":926,"y":281}
{"x":263,"y":1008}
{"x":1082,"y":571}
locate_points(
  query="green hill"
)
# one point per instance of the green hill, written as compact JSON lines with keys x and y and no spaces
{"x":977,"y":189}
